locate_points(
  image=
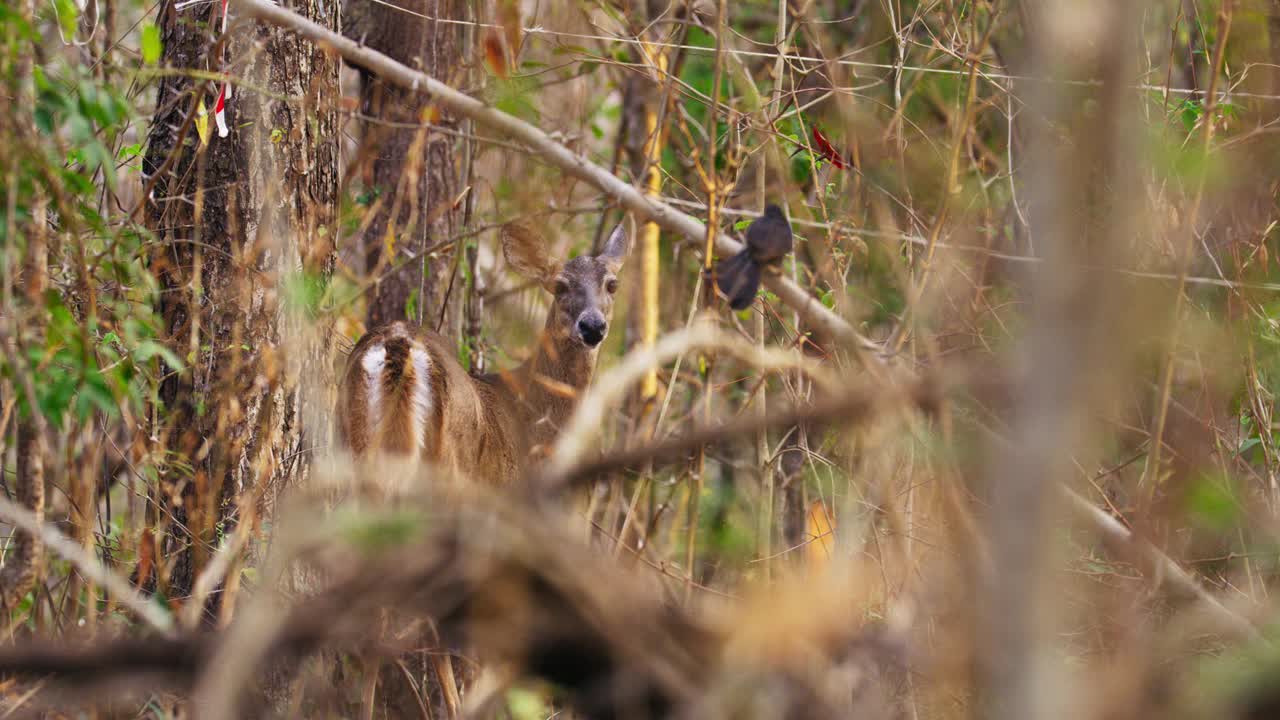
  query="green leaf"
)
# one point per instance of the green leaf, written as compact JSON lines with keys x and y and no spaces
{"x":304,"y":293}
{"x":1248,"y":445}
{"x":151,"y":45}
{"x":68,"y":16}
{"x":148,"y":349}
{"x":382,"y":531}
{"x":94,"y":394}
{"x":1212,"y":503}
{"x":129,"y":152}
{"x":411,"y":305}
{"x":514,"y":97}
{"x":526,"y":705}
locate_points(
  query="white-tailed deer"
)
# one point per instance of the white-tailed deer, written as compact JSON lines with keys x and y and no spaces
{"x":404,"y":392}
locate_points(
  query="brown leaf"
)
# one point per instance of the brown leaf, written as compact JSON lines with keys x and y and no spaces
{"x":820,"y":531}
{"x":431,"y":114}
{"x":509,"y":18}
{"x":146,"y":556}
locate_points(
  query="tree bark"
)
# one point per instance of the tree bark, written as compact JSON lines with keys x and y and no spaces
{"x":412,"y":174}
{"x":243,"y":223}
{"x":23,"y":564}
{"x":411,"y":168}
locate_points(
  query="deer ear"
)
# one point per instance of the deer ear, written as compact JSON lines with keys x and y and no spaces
{"x":526,"y":252}
{"x":617,"y":247}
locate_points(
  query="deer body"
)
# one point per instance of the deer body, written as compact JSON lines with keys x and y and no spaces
{"x":404,"y":393}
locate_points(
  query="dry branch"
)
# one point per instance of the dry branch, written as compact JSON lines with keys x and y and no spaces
{"x":580,"y":432}
{"x":814,"y":312}
{"x":1113,"y":532}
{"x":851,"y":406}
{"x":87,"y":564}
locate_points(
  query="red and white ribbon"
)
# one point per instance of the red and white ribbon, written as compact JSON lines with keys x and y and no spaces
{"x":224,"y":93}
{"x":220,"y":107}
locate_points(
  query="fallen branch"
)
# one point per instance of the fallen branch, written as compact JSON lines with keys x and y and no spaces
{"x":857,"y":405}
{"x":526,"y":595}
{"x":814,"y":312}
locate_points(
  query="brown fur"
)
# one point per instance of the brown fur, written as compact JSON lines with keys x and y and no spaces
{"x":482,"y":426}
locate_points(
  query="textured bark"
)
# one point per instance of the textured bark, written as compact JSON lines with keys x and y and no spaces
{"x":240,"y":221}
{"x":23,"y":563}
{"x":412,"y":169}
{"x":412,"y":172}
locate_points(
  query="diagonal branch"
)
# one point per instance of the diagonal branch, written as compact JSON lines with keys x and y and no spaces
{"x":556,"y":154}
{"x":88,"y":565}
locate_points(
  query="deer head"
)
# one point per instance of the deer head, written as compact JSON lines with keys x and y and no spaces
{"x":582,"y":288}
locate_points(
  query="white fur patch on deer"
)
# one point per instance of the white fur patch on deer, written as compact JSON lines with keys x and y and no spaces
{"x":421,"y":407}
{"x":373,"y":362}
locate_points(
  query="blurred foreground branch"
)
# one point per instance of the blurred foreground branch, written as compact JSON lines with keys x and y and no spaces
{"x":523,"y":594}
{"x":851,"y":406}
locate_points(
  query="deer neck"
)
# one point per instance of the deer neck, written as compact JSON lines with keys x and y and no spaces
{"x":553,"y":381}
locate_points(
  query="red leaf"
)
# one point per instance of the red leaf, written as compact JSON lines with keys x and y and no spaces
{"x":826,"y":150}
{"x":495,"y":55}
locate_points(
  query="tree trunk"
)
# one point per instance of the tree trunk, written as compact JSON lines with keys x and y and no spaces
{"x":244,"y":223}
{"x":24,"y":562}
{"x":413,"y":178}
{"x":411,"y":168}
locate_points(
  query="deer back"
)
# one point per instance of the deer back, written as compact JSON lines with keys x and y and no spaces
{"x":404,"y":394}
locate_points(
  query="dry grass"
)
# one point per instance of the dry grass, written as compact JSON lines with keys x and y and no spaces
{"x":998,"y":442}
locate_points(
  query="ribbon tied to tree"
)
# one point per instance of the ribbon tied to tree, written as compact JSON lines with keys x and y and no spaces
{"x":224,"y":92}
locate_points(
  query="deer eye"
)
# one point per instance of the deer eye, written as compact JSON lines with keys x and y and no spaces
{"x":562,"y":287}
{"x":611,"y":286}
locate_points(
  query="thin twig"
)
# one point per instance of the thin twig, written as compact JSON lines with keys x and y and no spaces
{"x":90,"y":566}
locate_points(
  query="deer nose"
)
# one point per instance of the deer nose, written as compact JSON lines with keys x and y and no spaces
{"x":591,"y":328}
